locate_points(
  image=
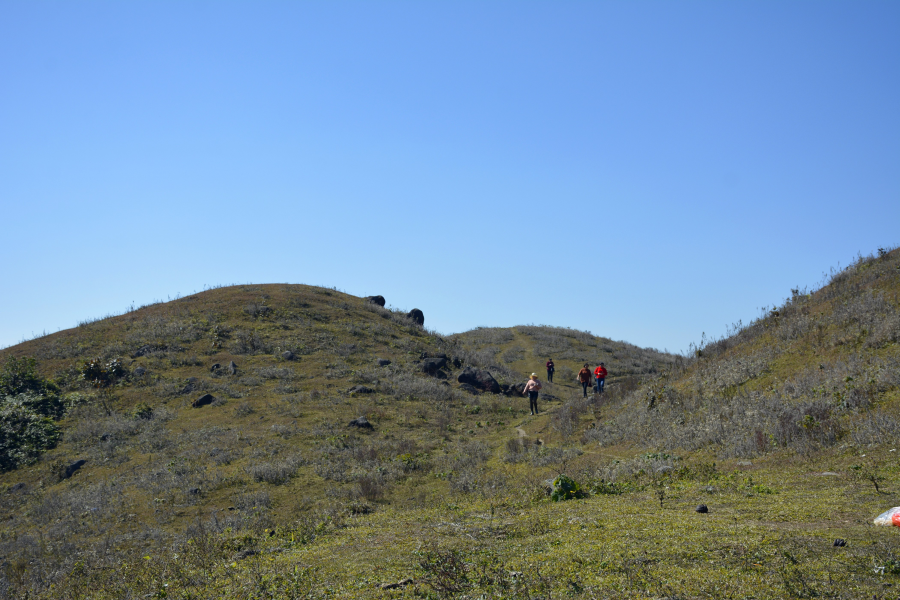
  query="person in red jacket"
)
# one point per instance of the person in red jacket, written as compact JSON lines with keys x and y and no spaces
{"x":551,"y":368}
{"x":600,"y":374}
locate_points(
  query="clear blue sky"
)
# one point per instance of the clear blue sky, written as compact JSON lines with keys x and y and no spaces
{"x":648,"y":171}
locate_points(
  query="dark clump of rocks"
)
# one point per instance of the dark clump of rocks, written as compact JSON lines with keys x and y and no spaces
{"x":433,"y":366}
{"x":840,"y":543}
{"x":189,"y":386}
{"x":361,"y":422}
{"x":287,"y":355}
{"x":215,"y":367}
{"x":416,"y":316}
{"x":17,"y":487}
{"x":72,"y":468}
{"x":203,"y":400}
{"x":383,"y":362}
{"x":480,"y":379}
{"x":360,"y":389}
{"x":194,"y":491}
{"x":516,"y":389}
{"x":379,"y":300}
{"x":139,"y":372}
{"x":466,"y":387}
{"x":702,"y":509}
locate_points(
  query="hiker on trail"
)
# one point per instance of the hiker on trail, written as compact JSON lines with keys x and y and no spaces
{"x":600,"y":374}
{"x":584,"y":376}
{"x":550,"y":369}
{"x":531,"y":389}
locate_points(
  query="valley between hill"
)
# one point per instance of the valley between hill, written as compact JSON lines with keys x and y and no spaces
{"x":786,"y":431}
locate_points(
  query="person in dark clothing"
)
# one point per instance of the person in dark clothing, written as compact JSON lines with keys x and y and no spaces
{"x":584,"y":376}
{"x":550,"y":369}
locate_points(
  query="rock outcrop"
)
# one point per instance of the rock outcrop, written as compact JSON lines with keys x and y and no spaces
{"x":480,"y":379}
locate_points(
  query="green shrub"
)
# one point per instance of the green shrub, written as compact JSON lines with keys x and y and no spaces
{"x":143,"y":411}
{"x":19,"y":379}
{"x":565,"y":488}
{"x":24,"y":434}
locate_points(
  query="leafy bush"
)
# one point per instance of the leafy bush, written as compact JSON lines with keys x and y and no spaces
{"x":24,"y":434}
{"x":565,"y":488}
{"x":19,"y":378}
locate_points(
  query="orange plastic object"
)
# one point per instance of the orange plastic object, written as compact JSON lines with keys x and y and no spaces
{"x":896,"y":519}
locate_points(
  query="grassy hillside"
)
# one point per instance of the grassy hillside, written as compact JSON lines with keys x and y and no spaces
{"x":785,"y":430}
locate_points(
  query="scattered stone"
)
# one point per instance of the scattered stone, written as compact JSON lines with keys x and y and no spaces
{"x":361,"y":389}
{"x":394,"y":586}
{"x":830,"y":474}
{"x":702,"y":509}
{"x":139,"y":372}
{"x":379,"y":300}
{"x":244,"y":553}
{"x":417,"y":316}
{"x":744,"y":463}
{"x":215,"y":367}
{"x":433,"y":365}
{"x":361,"y":422}
{"x":194,"y":491}
{"x":840,"y":543}
{"x":665,"y":469}
{"x":287,"y":355}
{"x":232,"y":368}
{"x":480,"y":379}
{"x":104,"y":437}
{"x":189,"y":386}
{"x":467,"y":387}
{"x":143,"y":350}
{"x":203,"y":400}
{"x":16,"y":487}
{"x":70,"y":470}
{"x":383,"y":362}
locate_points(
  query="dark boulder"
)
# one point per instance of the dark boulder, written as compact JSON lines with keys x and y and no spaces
{"x":516,"y":389}
{"x":190,"y":386}
{"x":70,"y":470}
{"x":702,"y":509}
{"x":232,"y":368}
{"x":139,"y":372}
{"x":432,"y":366}
{"x":383,"y":362}
{"x":379,"y":300}
{"x":466,"y":387}
{"x":361,"y":422}
{"x":480,"y":379}
{"x":433,"y":355}
{"x":17,"y":487}
{"x":194,"y":491}
{"x":203,"y":400}
{"x":215,"y":367}
{"x":457,"y":362}
{"x":287,"y":355}
{"x":361,"y":389}
{"x":416,"y":316}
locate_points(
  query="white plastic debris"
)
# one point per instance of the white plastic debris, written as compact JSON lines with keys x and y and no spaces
{"x":889,"y":517}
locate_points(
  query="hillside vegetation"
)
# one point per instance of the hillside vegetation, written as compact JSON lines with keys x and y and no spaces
{"x":785,"y":429}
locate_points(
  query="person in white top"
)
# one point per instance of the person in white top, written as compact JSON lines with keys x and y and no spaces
{"x":531,"y":390}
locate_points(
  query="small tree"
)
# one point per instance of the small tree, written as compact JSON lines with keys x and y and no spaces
{"x":102,"y":376}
